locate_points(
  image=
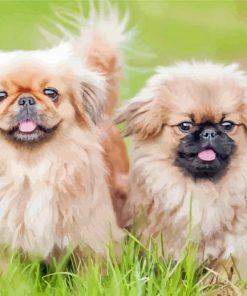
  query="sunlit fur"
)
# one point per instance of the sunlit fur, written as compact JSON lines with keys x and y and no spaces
{"x":159,"y":188}
{"x":56,"y":193}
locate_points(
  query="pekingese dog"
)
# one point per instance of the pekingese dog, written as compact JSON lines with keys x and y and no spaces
{"x":189,"y":127}
{"x":58,"y":179}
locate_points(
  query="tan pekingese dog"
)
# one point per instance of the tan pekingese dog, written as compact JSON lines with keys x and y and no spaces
{"x":190,"y":144}
{"x":58,"y":177}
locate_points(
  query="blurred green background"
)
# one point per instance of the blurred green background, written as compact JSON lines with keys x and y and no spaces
{"x":167,"y":31}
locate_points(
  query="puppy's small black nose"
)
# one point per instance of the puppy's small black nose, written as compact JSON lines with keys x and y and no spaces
{"x":26,"y":101}
{"x":209,"y":134}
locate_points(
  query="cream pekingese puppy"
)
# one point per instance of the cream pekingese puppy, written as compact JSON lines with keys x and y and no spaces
{"x":189,"y":127}
{"x":58,"y":179}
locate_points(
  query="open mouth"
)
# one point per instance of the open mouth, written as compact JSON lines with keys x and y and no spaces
{"x":30,"y":131}
{"x":207,"y":155}
{"x":205,"y":163}
{"x":30,"y":126}
{"x":27,"y":126}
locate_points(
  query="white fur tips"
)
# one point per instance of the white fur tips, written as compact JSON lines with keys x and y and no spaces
{"x":199,"y":70}
{"x":107,"y":23}
{"x":103,"y":21}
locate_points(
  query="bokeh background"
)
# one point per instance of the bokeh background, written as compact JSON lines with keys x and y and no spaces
{"x":166,"y":31}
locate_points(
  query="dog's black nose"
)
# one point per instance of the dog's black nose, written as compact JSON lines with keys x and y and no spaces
{"x":209,"y":134}
{"x":26,"y":101}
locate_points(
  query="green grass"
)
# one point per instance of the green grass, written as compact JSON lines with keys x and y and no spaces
{"x":147,"y":274}
{"x":167,"y":31}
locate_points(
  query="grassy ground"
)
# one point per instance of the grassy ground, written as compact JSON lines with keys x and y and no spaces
{"x":136,"y":275}
{"x":167,"y":31}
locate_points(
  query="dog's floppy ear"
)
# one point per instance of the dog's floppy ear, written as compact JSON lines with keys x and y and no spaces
{"x":93,"y":92}
{"x":143,"y":116}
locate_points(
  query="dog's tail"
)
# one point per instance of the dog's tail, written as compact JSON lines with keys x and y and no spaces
{"x":102,"y":39}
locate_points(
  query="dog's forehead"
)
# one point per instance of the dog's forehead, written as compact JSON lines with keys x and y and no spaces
{"x":26,"y":77}
{"x":25,"y":81}
{"x":23,"y":69}
{"x":57,"y":60}
{"x":204,"y":100}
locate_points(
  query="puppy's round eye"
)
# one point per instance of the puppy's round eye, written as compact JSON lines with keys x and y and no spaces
{"x":185,"y":126}
{"x":227,"y":125}
{"x":51,"y":92}
{"x":3,"y":95}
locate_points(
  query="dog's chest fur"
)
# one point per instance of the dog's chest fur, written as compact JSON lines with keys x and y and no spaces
{"x":218,"y":213}
{"x":60,"y":200}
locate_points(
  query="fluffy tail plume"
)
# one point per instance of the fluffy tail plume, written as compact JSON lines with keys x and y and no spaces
{"x":102,"y":38}
{"x":101,"y":42}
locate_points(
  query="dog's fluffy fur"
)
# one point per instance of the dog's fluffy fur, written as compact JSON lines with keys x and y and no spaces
{"x":57,"y":184}
{"x":159,"y":188}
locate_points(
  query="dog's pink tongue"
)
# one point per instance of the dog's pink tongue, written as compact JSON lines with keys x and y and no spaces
{"x":207,"y":155}
{"x":27,"y":126}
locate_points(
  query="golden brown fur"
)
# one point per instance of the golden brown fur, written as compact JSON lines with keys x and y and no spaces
{"x":117,"y":163}
{"x":56,"y":193}
{"x":102,"y":58}
{"x":159,"y":189}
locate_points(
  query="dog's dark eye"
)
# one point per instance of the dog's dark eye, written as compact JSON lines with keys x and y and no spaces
{"x":3,"y":95}
{"x":185,"y":126}
{"x":227,"y":125}
{"x":52,"y":93}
